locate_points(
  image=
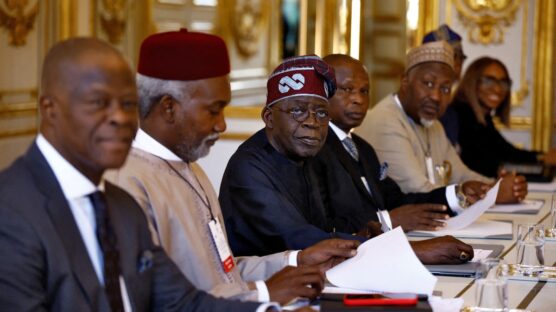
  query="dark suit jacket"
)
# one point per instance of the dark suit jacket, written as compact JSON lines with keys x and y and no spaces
{"x":483,"y":148}
{"x":349,"y":203}
{"x":270,"y":203}
{"x":44,"y":264}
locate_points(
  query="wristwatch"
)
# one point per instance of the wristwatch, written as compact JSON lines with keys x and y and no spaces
{"x":462,"y":198}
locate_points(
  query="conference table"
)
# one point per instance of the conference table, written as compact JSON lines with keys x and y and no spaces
{"x":526,"y":295}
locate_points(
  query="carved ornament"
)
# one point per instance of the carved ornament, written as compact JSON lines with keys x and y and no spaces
{"x":18,"y":22}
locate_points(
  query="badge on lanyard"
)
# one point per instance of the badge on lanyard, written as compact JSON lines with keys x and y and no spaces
{"x":221,"y":245}
{"x":430,"y":169}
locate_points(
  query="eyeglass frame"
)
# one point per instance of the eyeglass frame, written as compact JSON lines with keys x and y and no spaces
{"x":490,"y":81}
{"x":305,"y":114}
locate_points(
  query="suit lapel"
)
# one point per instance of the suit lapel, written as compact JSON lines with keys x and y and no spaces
{"x":371,"y":173}
{"x":348,"y":163}
{"x":61,"y":216}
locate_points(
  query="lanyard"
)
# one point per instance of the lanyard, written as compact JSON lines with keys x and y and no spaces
{"x":204,"y":199}
{"x":425,"y":147}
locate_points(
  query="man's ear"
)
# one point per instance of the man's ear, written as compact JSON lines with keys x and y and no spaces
{"x":47,"y":107}
{"x":404,"y":83}
{"x":167,"y":108}
{"x":267,"y":117}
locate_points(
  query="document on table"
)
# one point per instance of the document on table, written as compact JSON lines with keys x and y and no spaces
{"x":542,"y":187}
{"x":528,"y":206}
{"x":385,"y":263}
{"x":478,"y":229}
{"x":473,"y":212}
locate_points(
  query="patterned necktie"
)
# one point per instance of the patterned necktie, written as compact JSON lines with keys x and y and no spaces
{"x":351,"y":148}
{"x":108,"y":243}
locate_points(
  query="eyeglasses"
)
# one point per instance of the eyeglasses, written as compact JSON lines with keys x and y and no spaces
{"x":490,"y":82}
{"x":301,"y":113}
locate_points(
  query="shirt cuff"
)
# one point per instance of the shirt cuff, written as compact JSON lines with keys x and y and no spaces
{"x":292,"y":258}
{"x":262,"y":291}
{"x":452,"y":199}
{"x":270,"y":306}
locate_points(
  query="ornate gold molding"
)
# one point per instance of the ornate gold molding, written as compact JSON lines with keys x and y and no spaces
{"x":428,"y":19}
{"x":247,"y":22}
{"x":18,"y":22}
{"x":486,"y":19}
{"x":235,"y":136}
{"x":113,"y":19}
{"x":543,"y":97}
{"x":516,"y":123}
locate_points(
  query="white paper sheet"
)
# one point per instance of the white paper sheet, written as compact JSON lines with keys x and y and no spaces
{"x":478,"y":229}
{"x":473,"y":212}
{"x":480,"y":254}
{"x":527,"y":206}
{"x":385,"y":263}
{"x":542,"y":187}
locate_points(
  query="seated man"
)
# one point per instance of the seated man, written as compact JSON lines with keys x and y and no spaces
{"x":404,"y":130}
{"x":355,"y":184}
{"x":68,"y":240}
{"x":270,"y":195}
{"x":183,"y":89}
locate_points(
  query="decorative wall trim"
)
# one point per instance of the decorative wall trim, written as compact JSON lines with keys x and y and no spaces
{"x":486,"y":20}
{"x":239,"y":136}
{"x":247,"y":112}
{"x":543,"y":97}
{"x":17,"y":21}
{"x":113,"y":18}
{"x":18,"y":133}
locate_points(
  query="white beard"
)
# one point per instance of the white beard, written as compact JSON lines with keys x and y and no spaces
{"x":427,"y":123}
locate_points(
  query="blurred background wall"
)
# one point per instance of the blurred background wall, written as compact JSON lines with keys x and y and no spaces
{"x":260,"y":33}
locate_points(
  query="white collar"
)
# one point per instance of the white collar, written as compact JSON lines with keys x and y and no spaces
{"x":145,"y":142}
{"x":397,"y":100}
{"x":341,"y":134}
{"x":73,"y":183}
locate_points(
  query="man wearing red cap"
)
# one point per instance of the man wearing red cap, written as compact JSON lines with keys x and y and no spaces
{"x":271,"y":194}
{"x":183,"y":88}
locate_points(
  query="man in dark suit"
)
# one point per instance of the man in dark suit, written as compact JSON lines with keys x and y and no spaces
{"x":357,"y":188}
{"x":270,"y":194}
{"x":53,"y":198}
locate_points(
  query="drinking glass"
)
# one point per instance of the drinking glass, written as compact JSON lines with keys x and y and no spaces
{"x":551,"y":229}
{"x":530,"y":249}
{"x":491,"y":292}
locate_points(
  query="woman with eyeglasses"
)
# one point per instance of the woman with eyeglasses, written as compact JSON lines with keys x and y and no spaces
{"x":485,"y":92}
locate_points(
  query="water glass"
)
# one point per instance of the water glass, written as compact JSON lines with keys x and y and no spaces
{"x":551,"y":229}
{"x":530,"y":249}
{"x":491,"y":292}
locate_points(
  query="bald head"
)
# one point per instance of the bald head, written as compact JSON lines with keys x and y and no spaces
{"x":336,"y":60}
{"x":60,"y":61}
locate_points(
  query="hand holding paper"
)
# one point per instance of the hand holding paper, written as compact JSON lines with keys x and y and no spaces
{"x":385,"y":263}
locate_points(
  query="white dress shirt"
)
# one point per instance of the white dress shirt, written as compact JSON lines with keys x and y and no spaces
{"x":77,"y":188}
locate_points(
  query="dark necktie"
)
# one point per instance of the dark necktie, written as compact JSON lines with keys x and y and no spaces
{"x":351,"y":148}
{"x":108,"y":243}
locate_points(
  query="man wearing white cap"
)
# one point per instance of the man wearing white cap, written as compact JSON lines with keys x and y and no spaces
{"x":404,"y":130}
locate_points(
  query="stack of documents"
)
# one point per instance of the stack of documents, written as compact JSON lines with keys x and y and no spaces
{"x":528,"y":206}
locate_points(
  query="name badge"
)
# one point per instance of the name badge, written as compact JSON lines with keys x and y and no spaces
{"x":221,"y":245}
{"x":430,"y":169}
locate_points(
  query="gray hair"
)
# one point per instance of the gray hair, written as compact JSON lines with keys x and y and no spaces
{"x":151,"y":90}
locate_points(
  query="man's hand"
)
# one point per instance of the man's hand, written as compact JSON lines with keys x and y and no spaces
{"x":370,"y":230}
{"x":327,"y":253}
{"x":474,"y":190}
{"x":513,"y":189}
{"x":292,"y":282}
{"x":424,"y":217}
{"x":441,"y":250}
